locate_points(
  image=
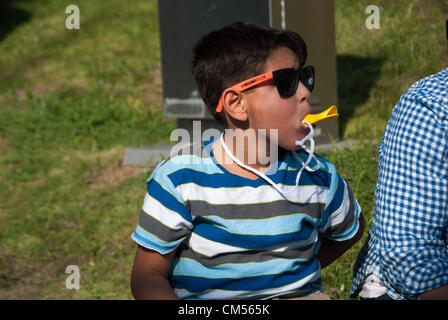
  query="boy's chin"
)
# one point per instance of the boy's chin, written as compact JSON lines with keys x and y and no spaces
{"x":291,"y":146}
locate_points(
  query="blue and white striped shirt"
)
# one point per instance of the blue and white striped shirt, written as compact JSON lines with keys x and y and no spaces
{"x":239,"y":238}
{"x":407,"y":243}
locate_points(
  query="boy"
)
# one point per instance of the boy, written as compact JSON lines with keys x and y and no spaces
{"x":223,"y":227}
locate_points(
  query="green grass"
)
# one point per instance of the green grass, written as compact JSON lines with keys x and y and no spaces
{"x":71,"y":102}
{"x":377,"y":66}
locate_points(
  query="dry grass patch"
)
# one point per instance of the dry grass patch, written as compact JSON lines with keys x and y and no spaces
{"x":109,"y":171}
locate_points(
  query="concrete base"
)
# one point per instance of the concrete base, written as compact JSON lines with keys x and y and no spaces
{"x":147,"y":156}
{"x":152,"y":155}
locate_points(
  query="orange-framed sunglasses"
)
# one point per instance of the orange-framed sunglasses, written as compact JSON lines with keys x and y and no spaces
{"x":286,"y":81}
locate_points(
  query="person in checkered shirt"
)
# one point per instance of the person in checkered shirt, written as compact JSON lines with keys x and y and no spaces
{"x":405,"y":256}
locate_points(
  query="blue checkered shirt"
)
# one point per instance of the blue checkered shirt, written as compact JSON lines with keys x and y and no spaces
{"x":407,"y":245}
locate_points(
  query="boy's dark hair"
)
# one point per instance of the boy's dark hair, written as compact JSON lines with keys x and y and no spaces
{"x":235,"y":53}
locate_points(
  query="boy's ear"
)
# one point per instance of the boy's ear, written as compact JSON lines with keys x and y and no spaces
{"x":233,"y":103}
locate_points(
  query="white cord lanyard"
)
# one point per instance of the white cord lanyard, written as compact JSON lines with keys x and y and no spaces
{"x":300,"y":143}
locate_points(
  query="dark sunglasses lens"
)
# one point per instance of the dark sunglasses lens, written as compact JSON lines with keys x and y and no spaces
{"x":307,"y":77}
{"x":286,"y":81}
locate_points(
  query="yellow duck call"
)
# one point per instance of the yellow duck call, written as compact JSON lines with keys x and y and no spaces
{"x":330,"y":113}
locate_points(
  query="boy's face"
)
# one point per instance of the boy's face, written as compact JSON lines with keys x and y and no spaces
{"x":266,"y":109}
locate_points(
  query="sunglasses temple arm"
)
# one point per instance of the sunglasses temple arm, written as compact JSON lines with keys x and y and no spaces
{"x":220,"y":105}
{"x":245,"y":85}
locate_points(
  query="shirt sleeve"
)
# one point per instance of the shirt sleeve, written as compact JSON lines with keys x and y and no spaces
{"x":411,"y":202}
{"x":164,"y":220}
{"x":341,"y":214}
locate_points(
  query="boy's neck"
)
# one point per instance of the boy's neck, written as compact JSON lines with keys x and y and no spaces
{"x":248,"y":147}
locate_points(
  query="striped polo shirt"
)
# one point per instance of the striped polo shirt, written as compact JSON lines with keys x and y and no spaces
{"x":240,"y":238}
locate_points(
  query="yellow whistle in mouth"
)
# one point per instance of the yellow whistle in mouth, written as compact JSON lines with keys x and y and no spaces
{"x":330,"y":113}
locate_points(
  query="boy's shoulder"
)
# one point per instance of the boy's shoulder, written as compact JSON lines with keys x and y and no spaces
{"x":184,"y":158}
{"x":326,"y":165}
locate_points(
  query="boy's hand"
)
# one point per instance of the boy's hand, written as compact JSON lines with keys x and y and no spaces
{"x":149,"y":278}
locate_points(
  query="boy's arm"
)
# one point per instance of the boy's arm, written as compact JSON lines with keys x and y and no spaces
{"x":149,"y":278}
{"x":330,"y":250}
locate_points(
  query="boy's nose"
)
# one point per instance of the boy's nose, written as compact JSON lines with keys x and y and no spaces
{"x":302,"y":93}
